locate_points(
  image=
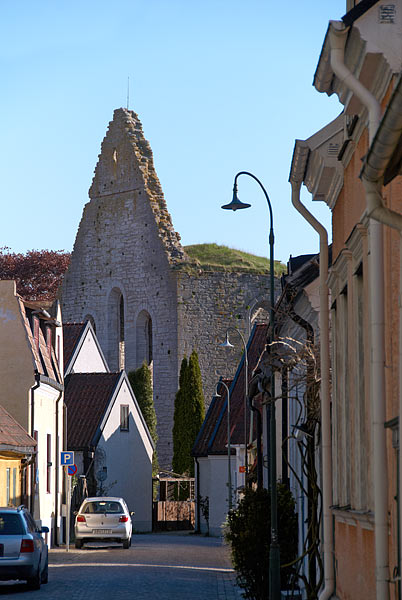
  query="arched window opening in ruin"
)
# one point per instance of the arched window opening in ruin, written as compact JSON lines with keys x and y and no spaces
{"x":121,"y":335}
{"x":116,"y":326}
{"x":144,"y":339}
{"x":114,"y":163}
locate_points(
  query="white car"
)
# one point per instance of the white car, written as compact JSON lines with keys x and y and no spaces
{"x":103,"y":519}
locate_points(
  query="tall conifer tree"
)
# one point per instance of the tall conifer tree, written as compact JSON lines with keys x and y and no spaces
{"x":179,"y":463}
{"x":189,"y":414}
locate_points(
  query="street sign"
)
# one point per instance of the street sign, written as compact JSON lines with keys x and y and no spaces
{"x":66,"y":458}
{"x":71,"y":469}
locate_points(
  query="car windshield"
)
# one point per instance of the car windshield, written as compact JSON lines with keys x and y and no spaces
{"x":11,"y":524}
{"x":102,"y":507}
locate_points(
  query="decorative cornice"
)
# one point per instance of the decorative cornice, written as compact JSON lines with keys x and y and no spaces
{"x":315,"y":162}
{"x":355,"y":243}
{"x":371,"y":56}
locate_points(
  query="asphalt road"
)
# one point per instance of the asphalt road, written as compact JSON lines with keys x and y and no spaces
{"x":168,"y":566}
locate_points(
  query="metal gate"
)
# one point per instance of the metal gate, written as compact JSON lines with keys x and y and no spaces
{"x":174,"y":508}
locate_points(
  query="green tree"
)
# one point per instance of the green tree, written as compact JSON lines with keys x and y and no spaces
{"x":188,"y":415}
{"x":248,"y":531}
{"x":141,"y":383}
{"x":179,"y":462}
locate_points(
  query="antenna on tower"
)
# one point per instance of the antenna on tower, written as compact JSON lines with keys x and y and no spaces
{"x":128,"y":91}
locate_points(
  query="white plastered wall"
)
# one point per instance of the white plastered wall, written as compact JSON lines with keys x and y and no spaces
{"x":129,"y":460}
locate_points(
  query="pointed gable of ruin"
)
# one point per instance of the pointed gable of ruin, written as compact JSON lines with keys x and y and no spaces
{"x":126,"y":165}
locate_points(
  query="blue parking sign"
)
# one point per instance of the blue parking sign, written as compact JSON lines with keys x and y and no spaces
{"x":66,"y":458}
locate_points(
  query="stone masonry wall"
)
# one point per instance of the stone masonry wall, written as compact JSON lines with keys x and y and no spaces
{"x":208,"y":303}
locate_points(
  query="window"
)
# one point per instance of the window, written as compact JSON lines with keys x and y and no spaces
{"x":14,"y":496}
{"x":49,"y":463}
{"x":101,"y":507}
{"x":144,"y":345}
{"x":35,"y":465}
{"x":116,"y":335}
{"x":121,"y":335}
{"x":124,"y":413}
{"x":30,"y":523}
{"x":11,"y":524}
{"x":8,"y":474}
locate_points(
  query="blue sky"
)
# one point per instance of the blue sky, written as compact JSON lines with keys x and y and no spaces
{"x":219,"y":85}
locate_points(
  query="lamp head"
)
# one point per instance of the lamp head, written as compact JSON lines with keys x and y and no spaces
{"x":236,"y":203}
{"x":226,"y":343}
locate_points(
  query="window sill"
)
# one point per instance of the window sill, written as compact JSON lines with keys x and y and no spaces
{"x":353,"y":517}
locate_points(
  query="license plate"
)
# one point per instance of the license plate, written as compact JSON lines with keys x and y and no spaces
{"x":101,"y":531}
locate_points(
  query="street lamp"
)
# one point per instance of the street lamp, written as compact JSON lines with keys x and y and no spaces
{"x":274,"y":551}
{"x":227,"y":344}
{"x":228,"y":440}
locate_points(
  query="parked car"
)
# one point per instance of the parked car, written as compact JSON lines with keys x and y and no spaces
{"x":23,"y":551}
{"x":105,"y":519}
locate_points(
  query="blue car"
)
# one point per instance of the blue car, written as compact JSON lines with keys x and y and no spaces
{"x":23,"y":551}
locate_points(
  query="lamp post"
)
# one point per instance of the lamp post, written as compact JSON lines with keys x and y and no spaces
{"x":228,"y":441}
{"x":274,"y":551}
{"x":227,"y":344}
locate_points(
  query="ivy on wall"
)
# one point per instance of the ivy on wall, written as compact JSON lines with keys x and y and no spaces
{"x":141,"y":383}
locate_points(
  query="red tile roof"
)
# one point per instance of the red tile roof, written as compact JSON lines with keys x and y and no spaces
{"x":43,"y":363}
{"x":13,"y":434}
{"x":87,"y":396}
{"x":212,"y":438}
{"x":71,"y":334}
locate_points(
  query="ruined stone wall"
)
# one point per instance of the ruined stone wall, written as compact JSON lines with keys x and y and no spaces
{"x":124,"y":248}
{"x":208,"y":303}
{"x":130,"y":275}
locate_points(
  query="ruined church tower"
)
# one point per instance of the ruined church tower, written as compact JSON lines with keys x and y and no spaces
{"x":131,"y":277}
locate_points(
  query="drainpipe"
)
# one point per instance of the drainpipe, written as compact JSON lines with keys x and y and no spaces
{"x":337,"y":37}
{"x":198,"y":530}
{"x":372,"y":175}
{"x":34,"y":466}
{"x":56,"y":511}
{"x":328,"y":544}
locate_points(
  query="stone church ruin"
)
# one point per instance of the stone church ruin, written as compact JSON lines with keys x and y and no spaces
{"x":131,"y":277}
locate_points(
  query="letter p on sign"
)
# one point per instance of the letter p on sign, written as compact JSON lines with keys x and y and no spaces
{"x":66,"y":458}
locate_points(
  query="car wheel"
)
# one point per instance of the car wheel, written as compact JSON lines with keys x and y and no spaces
{"x":45,"y":572}
{"x":34,"y":582}
{"x":127,"y":543}
{"x":79,"y":544}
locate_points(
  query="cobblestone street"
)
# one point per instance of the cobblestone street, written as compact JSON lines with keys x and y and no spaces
{"x":168,"y":566}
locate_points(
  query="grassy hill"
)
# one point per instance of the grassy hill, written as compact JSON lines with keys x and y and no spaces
{"x":213,"y":256}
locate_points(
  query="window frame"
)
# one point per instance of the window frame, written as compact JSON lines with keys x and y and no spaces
{"x":124,"y":417}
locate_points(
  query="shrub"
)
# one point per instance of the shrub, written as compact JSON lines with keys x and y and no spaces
{"x":141,"y":383}
{"x":248,"y":531}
